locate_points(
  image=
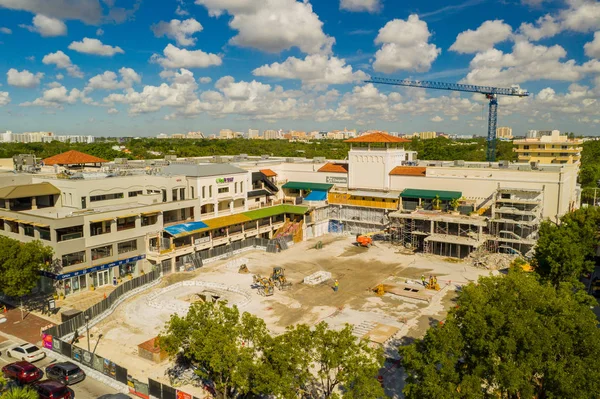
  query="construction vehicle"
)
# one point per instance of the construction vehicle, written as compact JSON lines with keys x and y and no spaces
{"x":432,"y":284}
{"x":243,"y":269}
{"x":278,"y":278}
{"x":265,"y":285}
{"x":366,"y":240}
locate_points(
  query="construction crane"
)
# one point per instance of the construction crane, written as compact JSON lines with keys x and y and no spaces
{"x":490,"y":93}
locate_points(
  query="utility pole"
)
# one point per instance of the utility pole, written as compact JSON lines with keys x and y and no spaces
{"x":87,"y":327}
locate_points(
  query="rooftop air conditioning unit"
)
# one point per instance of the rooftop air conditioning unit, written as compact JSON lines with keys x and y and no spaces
{"x":534,"y":165}
{"x":503,"y":164}
{"x":319,"y":159}
{"x":459,"y":162}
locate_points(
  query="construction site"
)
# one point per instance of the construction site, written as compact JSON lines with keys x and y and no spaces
{"x":380,"y":294}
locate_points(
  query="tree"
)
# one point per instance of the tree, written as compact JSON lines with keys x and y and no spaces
{"x":20,"y":393}
{"x":509,"y":337}
{"x":20,"y":264}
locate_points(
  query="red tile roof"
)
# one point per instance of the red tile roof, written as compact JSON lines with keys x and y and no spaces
{"x":268,"y":172}
{"x":73,"y":158}
{"x":377,"y":138}
{"x":334,"y":168}
{"x":151,"y":345}
{"x":408,"y":171}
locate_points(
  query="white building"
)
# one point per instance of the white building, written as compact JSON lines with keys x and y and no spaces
{"x":253,"y":133}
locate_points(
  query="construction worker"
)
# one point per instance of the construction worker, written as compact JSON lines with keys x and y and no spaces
{"x":336,"y":285}
{"x":423,"y":280}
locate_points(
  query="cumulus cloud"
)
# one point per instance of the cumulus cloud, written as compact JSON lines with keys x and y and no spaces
{"x":313,"y":69}
{"x":437,"y":118}
{"x":273,"y":25}
{"x":180,"y":31}
{"x":88,"y":11}
{"x":483,"y":38}
{"x":4,"y":98}
{"x":181,"y":12}
{"x":95,"y":47}
{"x":109,"y":80}
{"x":405,"y":46}
{"x":5,"y":30}
{"x":46,"y":26}
{"x":175,"y":57}
{"x":55,"y":97}
{"x":62,"y":61}
{"x":112,"y":111}
{"x":99,"y":32}
{"x":592,"y":49}
{"x":544,"y":27}
{"x":59,"y":76}
{"x":23,"y":78}
{"x":205,"y":79}
{"x":361,"y":5}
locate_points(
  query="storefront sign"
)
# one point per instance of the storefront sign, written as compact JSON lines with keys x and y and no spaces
{"x":336,"y":180}
{"x":47,"y":341}
{"x":91,"y":269}
{"x":222,"y":180}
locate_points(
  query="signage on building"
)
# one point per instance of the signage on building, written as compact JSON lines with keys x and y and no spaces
{"x":92,"y":269}
{"x":202,"y":240}
{"x":336,"y":180}
{"x":222,"y":180}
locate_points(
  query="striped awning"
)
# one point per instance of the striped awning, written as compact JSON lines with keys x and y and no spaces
{"x":39,"y":224}
{"x":22,"y":221}
{"x":8,"y":218}
{"x":127,"y":216}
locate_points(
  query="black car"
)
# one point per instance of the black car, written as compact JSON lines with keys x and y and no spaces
{"x":68,"y":373}
{"x":114,"y":396}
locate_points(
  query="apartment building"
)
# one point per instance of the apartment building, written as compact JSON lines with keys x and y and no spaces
{"x":552,"y":148}
{"x":504,"y":132}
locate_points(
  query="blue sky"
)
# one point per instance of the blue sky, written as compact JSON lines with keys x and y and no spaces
{"x":143,"y":67}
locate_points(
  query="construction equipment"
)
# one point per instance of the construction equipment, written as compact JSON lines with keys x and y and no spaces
{"x":265,"y":285}
{"x":278,"y":278}
{"x":243,"y":269}
{"x":366,"y":240}
{"x":490,"y":93}
{"x":432,"y":284}
{"x":380,"y":290}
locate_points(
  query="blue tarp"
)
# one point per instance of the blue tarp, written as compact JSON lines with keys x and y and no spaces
{"x":316,"y":195}
{"x":185,"y":228}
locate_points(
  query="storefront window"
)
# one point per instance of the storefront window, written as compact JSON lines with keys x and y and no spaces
{"x":73,"y":259}
{"x":101,"y":252}
{"x":127,"y":246}
{"x":126,"y":269}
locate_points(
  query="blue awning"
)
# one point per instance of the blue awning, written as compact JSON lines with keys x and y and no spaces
{"x":185,"y":228}
{"x":316,"y":195}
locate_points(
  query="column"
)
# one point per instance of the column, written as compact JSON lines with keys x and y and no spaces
{"x":216,"y":208}
{"x":231,"y":206}
{"x":173,"y":267}
{"x":33,"y":202}
{"x":432,"y":227}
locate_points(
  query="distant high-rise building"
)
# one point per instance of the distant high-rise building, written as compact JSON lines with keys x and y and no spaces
{"x":271,"y":134}
{"x":178,"y":136}
{"x":552,"y":148}
{"x":504,"y":132}
{"x":195,"y":135}
{"x":253,"y":133}
{"x":226,"y":134}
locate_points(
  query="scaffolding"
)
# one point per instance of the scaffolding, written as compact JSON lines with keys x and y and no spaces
{"x":346,"y":219}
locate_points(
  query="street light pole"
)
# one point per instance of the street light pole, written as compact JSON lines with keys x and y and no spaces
{"x":87,"y":327}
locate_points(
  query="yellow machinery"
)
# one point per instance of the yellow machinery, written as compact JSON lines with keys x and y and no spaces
{"x":380,"y":290}
{"x":432,"y":284}
{"x":366,"y":240}
{"x":265,"y":285}
{"x":243,"y":269}
{"x":278,"y":277}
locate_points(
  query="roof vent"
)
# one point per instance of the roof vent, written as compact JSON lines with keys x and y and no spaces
{"x":503,"y":164}
{"x":459,"y":162}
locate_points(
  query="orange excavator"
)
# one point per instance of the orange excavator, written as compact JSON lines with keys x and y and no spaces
{"x":366,"y":240}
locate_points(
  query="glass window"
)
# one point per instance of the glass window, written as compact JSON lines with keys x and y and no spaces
{"x":235,"y":187}
{"x":174,"y":193}
{"x":99,"y":228}
{"x":127,"y":246}
{"x":203,"y":191}
{"x":149,"y":220}
{"x":126,"y":223}
{"x":223,"y":190}
{"x":241,"y":187}
{"x":28,"y":230}
{"x":105,"y":197}
{"x":69,"y":233}
{"x":182,"y":193}
{"x":73,"y":259}
{"x":192,"y":188}
{"x":135,"y":193}
{"x":101,"y":252}
{"x":210,"y":191}
{"x":44,"y":233}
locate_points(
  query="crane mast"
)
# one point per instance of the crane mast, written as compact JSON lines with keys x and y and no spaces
{"x":491,"y":93}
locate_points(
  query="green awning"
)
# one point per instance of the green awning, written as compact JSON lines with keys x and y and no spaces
{"x":275,"y":210}
{"x":430,"y":194}
{"x":298,"y":185}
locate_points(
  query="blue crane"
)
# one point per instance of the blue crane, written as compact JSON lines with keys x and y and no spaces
{"x":490,"y":93}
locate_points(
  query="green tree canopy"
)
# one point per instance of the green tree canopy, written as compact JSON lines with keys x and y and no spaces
{"x":509,"y":337}
{"x":20,"y":264}
{"x":20,"y":393}
{"x":237,"y":354}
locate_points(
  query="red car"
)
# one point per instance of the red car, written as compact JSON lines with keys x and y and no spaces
{"x":23,"y":372}
{"x":49,"y":389}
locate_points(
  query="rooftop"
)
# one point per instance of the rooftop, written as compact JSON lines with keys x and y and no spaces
{"x":377,"y":138}
{"x":28,"y":190}
{"x":334,"y":167}
{"x":73,"y":158}
{"x":202,"y":170}
{"x":268,"y":172}
{"x":408,"y":171}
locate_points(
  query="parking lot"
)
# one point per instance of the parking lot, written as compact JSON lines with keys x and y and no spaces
{"x":87,"y":389}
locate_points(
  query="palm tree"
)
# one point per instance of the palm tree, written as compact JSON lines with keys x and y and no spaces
{"x":454,"y":203}
{"x":20,"y":393}
{"x":436,"y":202}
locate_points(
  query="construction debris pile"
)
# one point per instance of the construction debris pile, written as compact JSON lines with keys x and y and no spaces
{"x":490,"y":261}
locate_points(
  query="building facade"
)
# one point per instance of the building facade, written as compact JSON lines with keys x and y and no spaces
{"x":549,"y":149}
{"x":504,"y":132}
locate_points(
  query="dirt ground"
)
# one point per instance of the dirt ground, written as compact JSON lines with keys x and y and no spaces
{"x":358,"y":270}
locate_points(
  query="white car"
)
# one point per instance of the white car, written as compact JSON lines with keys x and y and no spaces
{"x":27,"y":352}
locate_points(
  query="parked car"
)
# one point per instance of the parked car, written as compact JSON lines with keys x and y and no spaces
{"x":28,"y":352}
{"x":68,"y":373}
{"x":23,"y":372}
{"x":49,"y":389}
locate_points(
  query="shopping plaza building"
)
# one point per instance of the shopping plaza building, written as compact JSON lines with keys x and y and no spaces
{"x":108,"y":220}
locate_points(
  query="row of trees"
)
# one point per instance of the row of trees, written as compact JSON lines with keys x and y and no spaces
{"x":20,"y":265}
{"x":524,"y":335}
{"x":242,"y":360}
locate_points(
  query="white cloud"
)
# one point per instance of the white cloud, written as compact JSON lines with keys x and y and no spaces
{"x":454,"y":118}
{"x":592,"y":49}
{"x":483,"y":38}
{"x":62,"y":61}
{"x":437,"y":118}
{"x":23,"y":78}
{"x":545,"y":26}
{"x":46,"y":26}
{"x":175,"y":57}
{"x":99,"y":32}
{"x":6,"y":31}
{"x":88,"y":11}
{"x":112,"y":111}
{"x":205,"y":79}
{"x":181,"y":12}
{"x":527,"y":62}
{"x":109,"y":80}
{"x":4,"y":98}
{"x":59,"y":76}
{"x":55,"y":97}
{"x":405,"y":46}
{"x":180,"y":31}
{"x":361,"y":5}
{"x":273,"y":25}
{"x":95,"y":47}
{"x":313,"y":69}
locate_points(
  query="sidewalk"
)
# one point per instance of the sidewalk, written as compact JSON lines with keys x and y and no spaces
{"x":27,"y":329}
